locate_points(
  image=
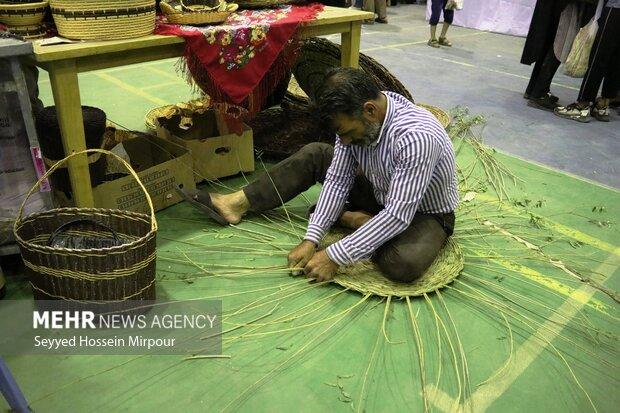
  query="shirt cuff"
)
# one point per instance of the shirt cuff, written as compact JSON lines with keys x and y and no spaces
{"x":314,"y":233}
{"x":338,"y":254}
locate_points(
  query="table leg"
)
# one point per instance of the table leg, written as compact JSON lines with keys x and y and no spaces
{"x":350,"y":45}
{"x":66,"y":90}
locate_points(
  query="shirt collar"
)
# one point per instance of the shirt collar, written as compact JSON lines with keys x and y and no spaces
{"x":387,"y":120}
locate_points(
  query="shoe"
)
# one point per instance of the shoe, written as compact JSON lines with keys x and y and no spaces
{"x":202,"y":201}
{"x":433,"y":43}
{"x":445,"y":42}
{"x":545,"y":102}
{"x":382,"y":21}
{"x":553,"y":98}
{"x":600,"y":114}
{"x":369,"y":21}
{"x":574,"y":112}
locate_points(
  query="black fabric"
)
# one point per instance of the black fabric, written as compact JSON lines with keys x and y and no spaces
{"x":543,"y":28}
{"x":604,"y":64}
{"x":403,"y":258}
{"x":542,"y":75}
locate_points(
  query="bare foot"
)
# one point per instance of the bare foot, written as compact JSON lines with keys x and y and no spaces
{"x":354,"y":219}
{"x":231,"y":206}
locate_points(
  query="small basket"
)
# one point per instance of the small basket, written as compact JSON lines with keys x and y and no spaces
{"x":442,"y":116}
{"x":197,"y":18}
{"x":22,"y":14}
{"x":113,"y":274}
{"x":104,"y":20}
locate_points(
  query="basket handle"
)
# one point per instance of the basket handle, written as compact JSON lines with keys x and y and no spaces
{"x":62,"y":161}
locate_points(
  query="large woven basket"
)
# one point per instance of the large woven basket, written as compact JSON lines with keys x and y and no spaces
{"x":103,"y":20}
{"x":114,"y":274}
{"x":317,"y":55}
{"x":22,"y":14}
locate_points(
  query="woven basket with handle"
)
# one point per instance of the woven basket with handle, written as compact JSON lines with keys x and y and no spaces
{"x":112,"y":274}
{"x":103,"y":20}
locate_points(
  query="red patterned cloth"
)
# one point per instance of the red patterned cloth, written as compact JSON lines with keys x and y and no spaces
{"x":243,"y":60}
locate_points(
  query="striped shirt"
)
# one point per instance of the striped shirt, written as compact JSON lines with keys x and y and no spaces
{"x":411,"y":167}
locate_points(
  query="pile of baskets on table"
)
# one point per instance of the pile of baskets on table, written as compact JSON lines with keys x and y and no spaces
{"x":115,"y":19}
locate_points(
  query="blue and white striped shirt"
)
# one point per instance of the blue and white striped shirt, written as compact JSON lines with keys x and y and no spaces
{"x":411,"y":166}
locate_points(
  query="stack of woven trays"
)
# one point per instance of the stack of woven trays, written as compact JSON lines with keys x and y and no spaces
{"x":24,"y":17}
{"x":103,"y":20}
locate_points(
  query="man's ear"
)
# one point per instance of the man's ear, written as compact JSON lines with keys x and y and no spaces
{"x":371,"y":111}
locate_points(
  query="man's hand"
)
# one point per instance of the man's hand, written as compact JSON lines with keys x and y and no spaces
{"x":321,"y":267}
{"x":300,"y":255}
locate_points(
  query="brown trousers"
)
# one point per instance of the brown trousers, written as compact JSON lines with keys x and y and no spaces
{"x":376,"y":6}
{"x":403,"y":258}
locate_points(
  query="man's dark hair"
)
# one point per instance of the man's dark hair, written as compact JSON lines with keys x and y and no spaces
{"x":344,"y":91}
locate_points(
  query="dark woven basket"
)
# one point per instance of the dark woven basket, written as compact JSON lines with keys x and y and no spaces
{"x":114,"y":274}
{"x":48,"y":131}
{"x":317,"y":55}
{"x":280,"y":132}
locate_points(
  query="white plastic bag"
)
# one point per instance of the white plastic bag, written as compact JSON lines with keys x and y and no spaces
{"x":579,"y":56}
{"x":568,"y":28}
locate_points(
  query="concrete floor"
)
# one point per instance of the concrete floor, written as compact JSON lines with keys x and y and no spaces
{"x":482,"y":71}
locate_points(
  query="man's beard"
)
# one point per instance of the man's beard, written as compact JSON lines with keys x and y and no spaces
{"x":371,"y":134}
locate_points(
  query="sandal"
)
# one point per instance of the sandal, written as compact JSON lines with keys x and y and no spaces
{"x":445,"y":42}
{"x":381,"y":20}
{"x":433,"y":43}
{"x":202,"y":201}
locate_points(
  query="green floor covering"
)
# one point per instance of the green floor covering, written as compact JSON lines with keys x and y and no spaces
{"x":299,"y":369}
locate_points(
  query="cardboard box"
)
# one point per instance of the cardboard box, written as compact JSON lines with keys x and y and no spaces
{"x":216,"y":151}
{"x":160,"y":165}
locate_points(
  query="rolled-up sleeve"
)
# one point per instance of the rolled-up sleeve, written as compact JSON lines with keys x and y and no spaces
{"x":417,"y":155}
{"x":338,"y":182}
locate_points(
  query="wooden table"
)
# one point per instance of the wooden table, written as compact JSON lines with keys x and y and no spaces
{"x":64,"y":62}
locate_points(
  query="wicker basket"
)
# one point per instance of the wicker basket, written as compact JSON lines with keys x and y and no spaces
{"x":22,"y":14}
{"x":114,"y":274}
{"x":36,"y":31}
{"x":442,"y":116}
{"x":214,"y":16}
{"x":317,"y":55}
{"x":103,"y":20}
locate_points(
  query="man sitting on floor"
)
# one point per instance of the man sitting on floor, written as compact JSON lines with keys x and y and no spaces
{"x":390,"y":177}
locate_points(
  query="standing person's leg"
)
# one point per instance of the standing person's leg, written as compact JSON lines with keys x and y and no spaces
{"x":541,"y":85}
{"x":381,"y":8}
{"x":407,"y":256}
{"x":369,"y":5}
{"x":448,"y":17}
{"x":436,"y":7}
{"x":611,"y":82}
{"x":600,"y":57}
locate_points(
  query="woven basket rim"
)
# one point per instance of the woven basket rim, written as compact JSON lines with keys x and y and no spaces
{"x":152,"y":231}
{"x":23,"y":6}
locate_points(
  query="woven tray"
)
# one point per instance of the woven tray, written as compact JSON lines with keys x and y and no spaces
{"x":366,"y":278}
{"x":103,"y":20}
{"x":22,"y":14}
